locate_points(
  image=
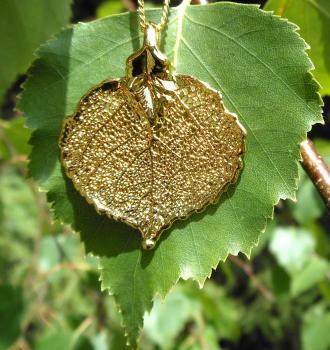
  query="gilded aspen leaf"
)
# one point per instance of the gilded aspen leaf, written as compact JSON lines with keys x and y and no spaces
{"x":153,"y":147}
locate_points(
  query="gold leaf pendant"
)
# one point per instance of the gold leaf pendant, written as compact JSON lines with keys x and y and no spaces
{"x":152,"y":147}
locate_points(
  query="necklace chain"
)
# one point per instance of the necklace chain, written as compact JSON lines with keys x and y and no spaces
{"x":143,"y":20}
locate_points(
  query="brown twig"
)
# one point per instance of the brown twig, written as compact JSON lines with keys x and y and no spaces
{"x":316,"y":169}
{"x":86,"y":323}
{"x":249,"y":272}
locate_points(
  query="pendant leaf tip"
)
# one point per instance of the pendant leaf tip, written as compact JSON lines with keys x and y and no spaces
{"x":148,"y":244}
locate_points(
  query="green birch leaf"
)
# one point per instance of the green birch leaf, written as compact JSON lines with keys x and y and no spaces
{"x":313,"y":272}
{"x":167,"y":319}
{"x":315,"y":328}
{"x":292,"y":247}
{"x":24,"y":25}
{"x":294,"y":250}
{"x":313,"y":18}
{"x":14,"y":138}
{"x":19,"y":211}
{"x":259,"y":64}
{"x":12,"y":311}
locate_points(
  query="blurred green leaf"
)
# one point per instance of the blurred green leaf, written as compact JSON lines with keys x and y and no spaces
{"x":14,"y":137}
{"x":277,"y":106}
{"x":320,"y":233}
{"x":54,"y":340}
{"x":112,"y":7}
{"x":168,"y":318}
{"x":24,"y":25}
{"x":211,"y":338}
{"x":281,"y":282}
{"x":217,"y":308}
{"x":11,"y":313}
{"x":71,"y":246}
{"x":18,"y":204}
{"x":309,"y":205}
{"x":313,"y":272}
{"x":63,"y":339}
{"x":323,"y":148}
{"x":292,"y":248}
{"x":109,"y":7}
{"x":4,"y":149}
{"x":49,"y":254}
{"x":315,"y":329}
{"x":100,"y":342}
{"x":313,"y":19}
{"x":18,"y":224}
{"x":325,"y":289}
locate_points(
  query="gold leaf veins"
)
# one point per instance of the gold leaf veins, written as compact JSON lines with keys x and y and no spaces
{"x":152,"y":147}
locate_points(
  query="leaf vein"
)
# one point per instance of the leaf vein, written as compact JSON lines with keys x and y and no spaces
{"x":276,"y":75}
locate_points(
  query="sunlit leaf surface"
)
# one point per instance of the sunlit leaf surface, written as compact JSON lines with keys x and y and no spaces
{"x":313,"y":19}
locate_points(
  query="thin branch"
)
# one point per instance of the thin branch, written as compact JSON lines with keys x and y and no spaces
{"x":316,"y":169}
{"x":249,"y":272}
{"x":66,"y":265}
{"x":86,"y":323}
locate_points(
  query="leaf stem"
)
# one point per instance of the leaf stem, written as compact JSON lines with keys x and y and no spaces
{"x":316,"y":169}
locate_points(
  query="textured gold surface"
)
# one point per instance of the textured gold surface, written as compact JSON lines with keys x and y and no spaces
{"x":151,"y":148}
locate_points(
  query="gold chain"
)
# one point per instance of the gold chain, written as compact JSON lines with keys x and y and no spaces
{"x":162,"y":23}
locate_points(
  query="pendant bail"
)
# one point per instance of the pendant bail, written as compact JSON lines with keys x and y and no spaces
{"x":149,"y":59}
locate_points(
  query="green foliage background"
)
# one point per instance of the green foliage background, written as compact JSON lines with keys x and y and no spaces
{"x":49,"y":291}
